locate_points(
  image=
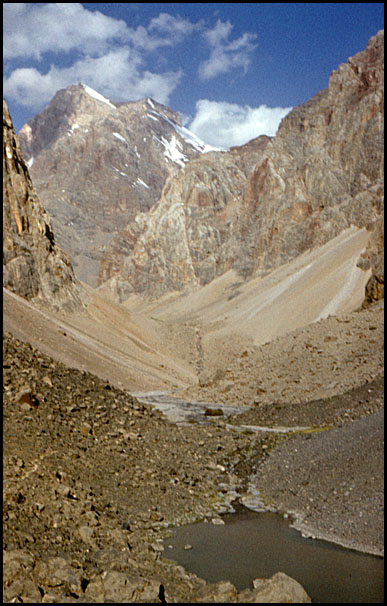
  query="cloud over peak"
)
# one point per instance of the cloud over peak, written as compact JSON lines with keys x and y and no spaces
{"x":101,"y":50}
{"x":68,"y":43}
{"x":49,"y":46}
{"x":225,"y":124}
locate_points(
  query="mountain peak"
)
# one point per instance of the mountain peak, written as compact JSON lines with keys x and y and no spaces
{"x":95,"y":95}
{"x":96,"y":164}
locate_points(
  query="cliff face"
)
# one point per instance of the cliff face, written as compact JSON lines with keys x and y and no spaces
{"x":256,"y":207}
{"x":323,"y":171}
{"x":33,"y":266}
{"x":96,"y":164}
{"x":183,"y":242}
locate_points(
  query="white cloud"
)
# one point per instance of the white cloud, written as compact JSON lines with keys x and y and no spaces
{"x":108,"y":55}
{"x":224,"y":124}
{"x":116,"y":74}
{"x":33,"y":29}
{"x":225,"y":54}
{"x":176,"y":27}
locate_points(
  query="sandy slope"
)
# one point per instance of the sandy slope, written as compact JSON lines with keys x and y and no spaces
{"x":107,"y":341}
{"x":319,"y":283}
{"x":168,"y":343}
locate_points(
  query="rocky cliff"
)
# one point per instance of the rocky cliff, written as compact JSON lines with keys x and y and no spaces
{"x":33,"y":266}
{"x":322,"y":173}
{"x":183,"y":241}
{"x":96,"y":164}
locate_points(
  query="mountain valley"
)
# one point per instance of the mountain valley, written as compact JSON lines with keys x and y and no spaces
{"x":138,"y":260}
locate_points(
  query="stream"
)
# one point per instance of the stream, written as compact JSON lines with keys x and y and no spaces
{"x":254,"y":543}
{"x":182,"y":412}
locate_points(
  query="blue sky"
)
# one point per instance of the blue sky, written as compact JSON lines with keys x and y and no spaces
{"x":231,"y":70}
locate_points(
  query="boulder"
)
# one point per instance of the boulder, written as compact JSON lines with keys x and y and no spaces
{"x":280,"y":588}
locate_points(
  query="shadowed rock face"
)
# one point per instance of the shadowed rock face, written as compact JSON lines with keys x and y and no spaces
{"x":322,"y":173}
{"x":96,"y":164}
{"x":33,"y":266}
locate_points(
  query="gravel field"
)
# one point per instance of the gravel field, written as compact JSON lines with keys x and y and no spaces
{"x":93,"y":478}
{"x":333,"y":483}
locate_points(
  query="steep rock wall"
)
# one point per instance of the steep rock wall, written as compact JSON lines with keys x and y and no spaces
{"x":33,"y":266}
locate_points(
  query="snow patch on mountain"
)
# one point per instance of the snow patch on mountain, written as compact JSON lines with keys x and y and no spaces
{"x":172,"y":152}
{"x":93,"y":93}
{"x":120,"y":137}
{"x":189,"y":136}
{"x":120,"y":172}
{"x":141,"y":182}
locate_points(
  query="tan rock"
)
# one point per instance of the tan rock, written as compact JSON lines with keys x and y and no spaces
{"x":33,"y":266}
{"x":280,"y":588}
{"x":223,"y":591}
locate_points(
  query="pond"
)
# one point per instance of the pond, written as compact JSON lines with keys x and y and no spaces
{"x":251,"y":545}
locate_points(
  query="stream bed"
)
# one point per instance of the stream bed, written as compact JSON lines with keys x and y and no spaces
{"x":252,"y":545}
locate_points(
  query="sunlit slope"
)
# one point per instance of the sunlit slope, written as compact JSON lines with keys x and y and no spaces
{"x":159,"y":345}
{"x":322,"y":282}
{"x":107,"y":341}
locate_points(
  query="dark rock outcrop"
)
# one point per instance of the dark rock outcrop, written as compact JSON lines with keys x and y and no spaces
{"x":33,"y":266}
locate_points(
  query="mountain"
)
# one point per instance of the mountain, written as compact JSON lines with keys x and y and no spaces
{"x":96,"y":164}
{"x":33,"y":266}
{"x":324,"y":170}
{"x":183,"y":241}
{"x":140,"y":209}
{"x":321,"y":174}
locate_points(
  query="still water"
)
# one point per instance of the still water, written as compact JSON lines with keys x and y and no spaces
{"x":251,"y":545}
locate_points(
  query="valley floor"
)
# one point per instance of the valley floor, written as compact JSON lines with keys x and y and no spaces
{"x":93,"y":478}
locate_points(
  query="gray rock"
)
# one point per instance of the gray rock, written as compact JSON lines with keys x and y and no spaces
{"x":280,"y":588}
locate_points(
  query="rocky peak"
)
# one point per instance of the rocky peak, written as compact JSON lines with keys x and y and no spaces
{"x":33,"y":266}
{"x":260,"y":205}
{"x":96,"y":164}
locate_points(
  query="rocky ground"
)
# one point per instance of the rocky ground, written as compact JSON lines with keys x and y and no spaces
{"x":329,"y":374}
{"x":333,"y":481}
{"x":93,"y":478}
{"x":322,"y":359}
